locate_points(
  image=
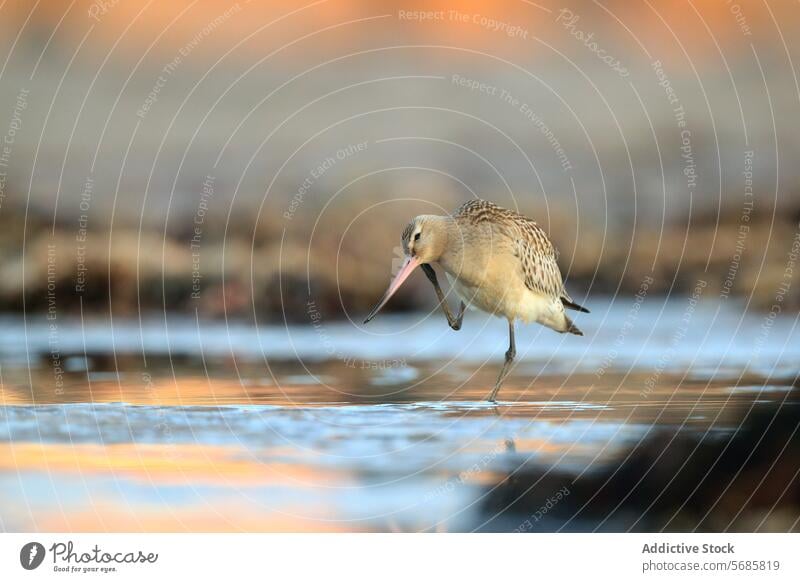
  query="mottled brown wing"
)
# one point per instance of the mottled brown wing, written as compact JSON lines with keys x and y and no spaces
{"x":476,"y":211}
{"x":539,"y":263}
{"x":537,"y":255}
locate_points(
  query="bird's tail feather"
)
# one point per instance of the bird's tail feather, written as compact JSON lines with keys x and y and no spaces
{"x":569,"y":304}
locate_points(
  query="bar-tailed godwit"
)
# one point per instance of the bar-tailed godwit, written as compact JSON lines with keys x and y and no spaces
{"x":498,"y":261}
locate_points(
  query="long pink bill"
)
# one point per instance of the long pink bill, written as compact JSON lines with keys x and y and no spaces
{"x":409,"y":265}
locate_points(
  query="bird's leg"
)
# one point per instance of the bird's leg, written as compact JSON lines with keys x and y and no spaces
{"x":453,"y":321}
{"x":512,"y":351}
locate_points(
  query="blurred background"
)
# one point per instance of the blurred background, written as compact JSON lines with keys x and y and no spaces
{"x":238,"y":157}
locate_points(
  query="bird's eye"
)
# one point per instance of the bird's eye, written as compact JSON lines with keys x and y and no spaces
{"x":416,"y":236}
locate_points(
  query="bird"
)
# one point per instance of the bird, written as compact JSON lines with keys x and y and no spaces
{"x":497,"y":260}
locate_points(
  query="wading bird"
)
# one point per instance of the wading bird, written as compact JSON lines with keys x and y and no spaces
{"x":497,"y":260}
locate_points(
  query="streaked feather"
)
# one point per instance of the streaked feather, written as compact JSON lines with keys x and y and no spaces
{"x":538,"y":258}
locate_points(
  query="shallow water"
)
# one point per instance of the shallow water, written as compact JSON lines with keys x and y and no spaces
{"x":187,"y":425}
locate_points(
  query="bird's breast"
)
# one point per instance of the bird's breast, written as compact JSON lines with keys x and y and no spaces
{"x":493,"y":285}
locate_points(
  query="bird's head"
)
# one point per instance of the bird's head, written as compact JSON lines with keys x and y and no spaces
{"x":425,"y":238}
{"x":424,"y":241}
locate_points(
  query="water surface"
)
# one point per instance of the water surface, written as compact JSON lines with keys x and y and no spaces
{"x":180,"y":424}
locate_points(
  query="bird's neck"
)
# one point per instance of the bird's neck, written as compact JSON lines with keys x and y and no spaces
{"x":452,"y":244}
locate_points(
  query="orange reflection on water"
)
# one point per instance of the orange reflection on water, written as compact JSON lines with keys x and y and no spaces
{"x":225,"y":489}
{"x":221,"y":517}
{"x":165,"y":391}
{"x":179,"y":464}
